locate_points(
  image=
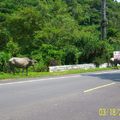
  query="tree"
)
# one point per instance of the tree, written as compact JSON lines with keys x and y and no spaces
{"x":66,"y":31}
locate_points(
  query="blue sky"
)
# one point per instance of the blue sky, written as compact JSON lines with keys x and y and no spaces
{"x":118,"y":0}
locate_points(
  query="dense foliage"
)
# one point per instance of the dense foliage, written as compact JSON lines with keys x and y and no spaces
{"x":57,"y":32}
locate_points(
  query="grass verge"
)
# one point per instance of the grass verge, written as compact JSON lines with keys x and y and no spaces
{"x":46,"y":74}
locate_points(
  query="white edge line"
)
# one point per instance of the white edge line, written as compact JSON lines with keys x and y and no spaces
{"x":30,"y":81}
{"x":102,"y":86}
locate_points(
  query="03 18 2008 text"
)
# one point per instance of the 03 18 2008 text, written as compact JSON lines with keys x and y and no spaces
{"x":103,"y":112}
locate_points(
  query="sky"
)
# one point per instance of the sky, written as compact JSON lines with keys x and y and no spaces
{"x":118,"y":0}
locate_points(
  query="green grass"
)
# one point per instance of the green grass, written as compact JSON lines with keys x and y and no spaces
{"x":45,"y":74}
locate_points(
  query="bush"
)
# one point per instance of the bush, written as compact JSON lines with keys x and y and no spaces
{"x":41,"y":67}
{"x":4,"y":57}
{"x":71,"y":55}
{"x":46,"y":56}
{"x":97,"y":61}
{"x":12,"y":48}
{"x":104,"y":52}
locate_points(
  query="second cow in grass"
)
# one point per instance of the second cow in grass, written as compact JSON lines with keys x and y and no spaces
{"x":114,"y":62}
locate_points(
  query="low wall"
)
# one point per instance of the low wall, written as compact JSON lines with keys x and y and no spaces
{"x":71,"y":67}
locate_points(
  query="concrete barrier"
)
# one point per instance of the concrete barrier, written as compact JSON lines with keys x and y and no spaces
{"x":72,"y":67}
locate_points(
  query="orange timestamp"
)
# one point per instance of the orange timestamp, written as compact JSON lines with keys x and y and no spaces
{"x":103,"y":112}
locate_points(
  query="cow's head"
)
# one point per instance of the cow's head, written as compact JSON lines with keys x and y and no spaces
{"x":32,"y":62}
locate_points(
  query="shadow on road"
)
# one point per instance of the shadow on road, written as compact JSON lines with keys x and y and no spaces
{"x":109,"y":76}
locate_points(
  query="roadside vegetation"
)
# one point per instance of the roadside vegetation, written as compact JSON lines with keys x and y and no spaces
{"x":8,"y":76}
{"x":56,"y":32}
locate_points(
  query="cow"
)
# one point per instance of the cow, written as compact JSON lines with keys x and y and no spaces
{"x":23,"y":63}
{"x":114,"y":62}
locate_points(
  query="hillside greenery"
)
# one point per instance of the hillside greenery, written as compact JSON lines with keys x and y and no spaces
{"x":57,"y":32}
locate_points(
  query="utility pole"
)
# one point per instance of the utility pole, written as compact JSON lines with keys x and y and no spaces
{"x":103,"y":20}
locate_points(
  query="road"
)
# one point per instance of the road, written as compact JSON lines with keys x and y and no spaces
{"x":89,"y":96}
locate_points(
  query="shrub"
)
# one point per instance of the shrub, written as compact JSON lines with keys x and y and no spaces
{"x":104,"y":52}
{"x":71,"y":55}
{"x":12,"y":48}
{"x":46,"y":56}
{"x":4,"y":57}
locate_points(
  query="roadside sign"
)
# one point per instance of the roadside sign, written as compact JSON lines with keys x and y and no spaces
{"x":116,"y":55}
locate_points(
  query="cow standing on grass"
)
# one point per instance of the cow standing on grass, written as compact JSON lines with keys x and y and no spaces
{"x":114,"y":62}
{"x":23,"y":63}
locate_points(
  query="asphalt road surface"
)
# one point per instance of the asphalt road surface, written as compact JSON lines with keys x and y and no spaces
{"x":91,"y":96}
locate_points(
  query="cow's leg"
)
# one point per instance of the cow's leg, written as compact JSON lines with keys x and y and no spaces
{"x":10,"y":70}
{"x":22,"y":71}
{"x":13,"y":70}
{"x":19,"y":70}
{"x":116,"y":67}
{"x":26,"y":71}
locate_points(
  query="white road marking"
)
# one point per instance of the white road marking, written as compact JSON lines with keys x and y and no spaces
{"x":102,"y":86}
{"x":30,"y":81}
